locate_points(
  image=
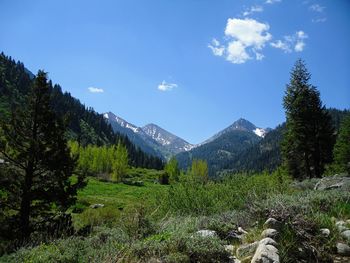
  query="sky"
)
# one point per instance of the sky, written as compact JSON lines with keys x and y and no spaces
{"x":192,"y":67}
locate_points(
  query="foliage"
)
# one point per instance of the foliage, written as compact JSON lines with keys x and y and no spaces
{"x":234,"y":192}
{"x":199,"y":171}
{"x":172,"y":169}
{"x":342,"y":147}
{"x":120,"y":164}
{"x":308,"y":140}
{"x":39,"y":166}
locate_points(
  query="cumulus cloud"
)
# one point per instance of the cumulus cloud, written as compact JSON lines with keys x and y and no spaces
{"x":272,"y":1}
{"x":216,"y":47}
{"x":289,"y":43}
{"x":247,"y":36}
{"x":317,"y":8}
{"x":166,"y":86}
{"x":253,"y":9}
{"x":95,"y":90}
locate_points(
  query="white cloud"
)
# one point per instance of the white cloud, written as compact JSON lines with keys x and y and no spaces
{"x":294,"y":42}
{"x":95,"y":90}
{"x":281,"y":45}
{"x":253,"y":9}
{"x":248,"y":31}
{"x":218,"y":50}
{"x":244,"y":39}
{"x":272,"y":1}
{"x":317,"y":8}
{"x":166,"y":86}
{"x":236,"y":53}
{"x":319,"y":20}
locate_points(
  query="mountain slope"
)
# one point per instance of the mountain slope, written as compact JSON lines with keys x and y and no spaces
{"x":222,"y":148}
{"x":151,"y":138}
{"x":171,"y":142}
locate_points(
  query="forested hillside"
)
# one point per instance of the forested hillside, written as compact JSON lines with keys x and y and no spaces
{"x":85,"y":125}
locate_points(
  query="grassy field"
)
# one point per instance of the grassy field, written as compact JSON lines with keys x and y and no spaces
{"x":118,"y":199}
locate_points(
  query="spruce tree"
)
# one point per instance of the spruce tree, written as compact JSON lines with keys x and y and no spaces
{"x":37,"y":157}
{"x":342,"y":147}
{"x":308,"y":139}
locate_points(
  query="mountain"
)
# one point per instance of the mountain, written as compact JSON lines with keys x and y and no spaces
{"x":84,"y":124}
{"x":221,"y":149}
{"x":171,"y":142}
{"x":240,"y":125}
{"x":150,"y":138}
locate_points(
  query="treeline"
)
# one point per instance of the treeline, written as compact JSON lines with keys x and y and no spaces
{"x":85,"y":126}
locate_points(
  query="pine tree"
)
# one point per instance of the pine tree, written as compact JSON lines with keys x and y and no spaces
{"x":342,"y":147}
{"x":308,"y":140}
{"x":39,"y":161}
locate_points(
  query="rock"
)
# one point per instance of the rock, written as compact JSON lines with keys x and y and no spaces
{"x":270,"y":232}
{"x":268,"y":241}
{"x":272,"y":223}
{"x":233,"y":235}
{"x":241,"y":231}
{"x":341,"y":226}
{"x":334,"y":182}
{"x":346,"y":234}
{"x":343,"y":249}
{"x":247,"y":259}
{"x":94,"y":206}
{"x":325,"y":232}
{"x":246,"y":250}
{"x":229,"y":248}
{"x":206,"y":233}
{"x":233,"y":259}
{"x":266,"y":254}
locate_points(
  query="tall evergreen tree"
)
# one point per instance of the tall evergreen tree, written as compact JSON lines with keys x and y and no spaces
{"x":38,"y":162}
{"x":308,"y":139}
{"x":342,"y":147}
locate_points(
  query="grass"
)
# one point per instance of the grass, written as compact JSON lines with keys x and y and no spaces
{"x":118,"y":199}
{"x":157,"y":222}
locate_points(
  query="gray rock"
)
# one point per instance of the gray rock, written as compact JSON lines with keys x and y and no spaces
{"x":329,"y":183}
{"x":240,"y":230}
{"x":343,"y":249}
{"x":325,"y":232}
{"x":233,"y":259}
{"x":94,"y":206}
{"x":270,"y":232}
{"x":346,"y":234}
{"x":273,"y":223}
{"x":229,"y":248}
{"x":341,"y":226}
{"x":268,"y":241}
{"x":206,"y":233}
{"x":247,"y":250}
{"x":266,"y":254}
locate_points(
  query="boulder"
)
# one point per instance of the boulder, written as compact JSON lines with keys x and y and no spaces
{"x":343,"y":249}
{"x":234,"y":235}
{"x":325,"y":232}
{"x":233,"y":259}
{"x":247,"y":250}
{"x":346,"y":234}
{"x":270,"y":232}
{"x":268,"y":241}
{"x":341,"y":226}
{"x":94,"y":206}
{"x":266,"y":254}
{"x":206,"y":233}
{"x":272,"y":223}
{"x":334,"y":182}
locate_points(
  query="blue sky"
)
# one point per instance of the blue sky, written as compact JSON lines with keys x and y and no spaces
{"x":193,"y":67}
